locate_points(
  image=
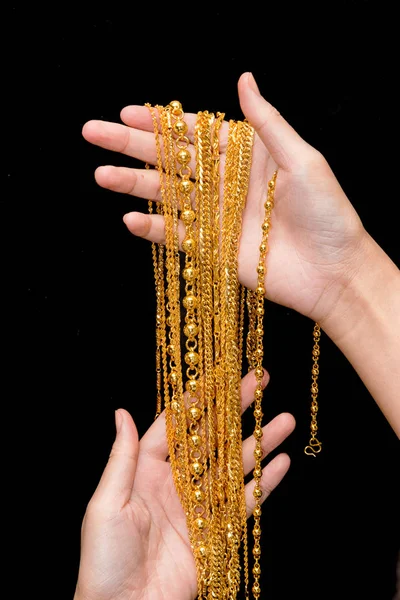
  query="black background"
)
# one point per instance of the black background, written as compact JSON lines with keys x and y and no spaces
{"x":87,"y":346}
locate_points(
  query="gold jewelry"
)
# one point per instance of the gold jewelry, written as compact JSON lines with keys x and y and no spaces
{"x":314,"y":445}
{"x":199,"y":373}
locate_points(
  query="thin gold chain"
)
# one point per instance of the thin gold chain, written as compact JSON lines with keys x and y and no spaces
{"x":314,"y":445}
{"x":257,"y":361}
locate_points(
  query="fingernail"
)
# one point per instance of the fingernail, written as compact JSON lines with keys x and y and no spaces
{"x":252,"y":84}
{"x":118,"y":420}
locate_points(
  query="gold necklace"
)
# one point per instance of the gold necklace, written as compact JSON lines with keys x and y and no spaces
{"x":199,"y":374}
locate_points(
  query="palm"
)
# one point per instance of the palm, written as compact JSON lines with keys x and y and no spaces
{"x":311,"y":238}
{"x":148,"y":546}
{"x":165,"y":527}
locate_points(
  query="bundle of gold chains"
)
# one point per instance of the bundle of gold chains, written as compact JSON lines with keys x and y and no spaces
{"x":199,"y":338}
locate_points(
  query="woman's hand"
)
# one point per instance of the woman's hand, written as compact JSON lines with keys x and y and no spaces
{"x":321,"y":261}
{"x":134,"y":537}
{"x":317,"y":240}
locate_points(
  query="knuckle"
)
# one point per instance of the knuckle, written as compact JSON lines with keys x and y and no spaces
{"x":94,"y":509}
{"x":117,"y":452}
{"x":313,"y":161}
{"x":266,"y":491}
{"x":100,"y":511}
{"x":158,"y":194}
{"x":133,"y":183}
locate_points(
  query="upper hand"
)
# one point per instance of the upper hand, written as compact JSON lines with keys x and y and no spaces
{"x":317,"y":239}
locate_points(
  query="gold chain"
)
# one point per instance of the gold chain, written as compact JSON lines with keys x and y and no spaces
{"x":256,"y":301}
{"x":199,"y":374}
{"x":314,"y":445}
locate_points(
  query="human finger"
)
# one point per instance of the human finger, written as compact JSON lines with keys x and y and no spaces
{"x":154,"y":441}
{"x":132,"y":142}
{"x":115,"y":486}
{"x":150,"y":227}
{"x":284,"y":144}
{"x":139,"y":117}
{"x":272,"y":475}
{"x":248,"y":387}
{"x":141,"y":183}
{"x":274,"y":433}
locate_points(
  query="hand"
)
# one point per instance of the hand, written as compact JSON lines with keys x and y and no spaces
{"x":317,"y":241}
{"x":134,"y":537}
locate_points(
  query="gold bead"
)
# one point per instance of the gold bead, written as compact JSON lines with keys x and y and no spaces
{"x":201,"y":551}
{"x":315,"y":371}
{"x":314,"y":408}
{"x":180,"y":127}
{"x":257,"y":472}
{"x":188,"y":216}
{"x":265,"y":226}
{"x":183,"y":156}
{"x":257,"y":551}
{"x":260,"y":312}
{"x":260,"y":331}
{"x":261,"y":269}
{"x":260,"y":290}
{"x":258,"y":433}
{"x":257,"y":570}
{"x":257,"y":511}
{"x":231,"y":537}
{"x":191,"y":358}
{"x":259,"y":372}
{"x":186,"y":186}
{"x":314,"y":388}
{"x":190,"y":301}
{"x":314,"y":427}
{"x":194,"y":413}
{"x":256,"y":589}
{"x":257,"y":531}
{"x":190,"y":329}
{"x":269,"y":204}
{"x":171,"y":349}
{"x":200,"y":523}
{"x":191,"y":386}
{"x":258,"y":394}
{"x":189,"y":274}
{"x":258,"y":413}
{"x":188,"y":245}
{"x":315,"y":352}
{"x":196,"y":468}
{"x":195,"y":440}
{"x":198,"y":495}
{"x":257,"y":492}
{"x":175,"y":406}
{"x":263,"y":247}
{"x":176,"y":107}
{"x":173,"y":377}
{"x":258,"y":453}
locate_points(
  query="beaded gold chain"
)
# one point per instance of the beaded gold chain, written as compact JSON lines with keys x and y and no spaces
{"x":199,"y":373}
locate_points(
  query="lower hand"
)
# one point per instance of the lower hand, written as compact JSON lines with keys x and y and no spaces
{"x":134,"y":538}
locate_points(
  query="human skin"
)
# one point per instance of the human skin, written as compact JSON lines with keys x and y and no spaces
{"x":321,"y":263}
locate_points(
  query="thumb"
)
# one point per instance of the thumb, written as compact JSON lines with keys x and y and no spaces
{"x":116,"y":483}
{"x":281,"y":140}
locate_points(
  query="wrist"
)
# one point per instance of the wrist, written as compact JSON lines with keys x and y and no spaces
{"x":366,"y":294}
